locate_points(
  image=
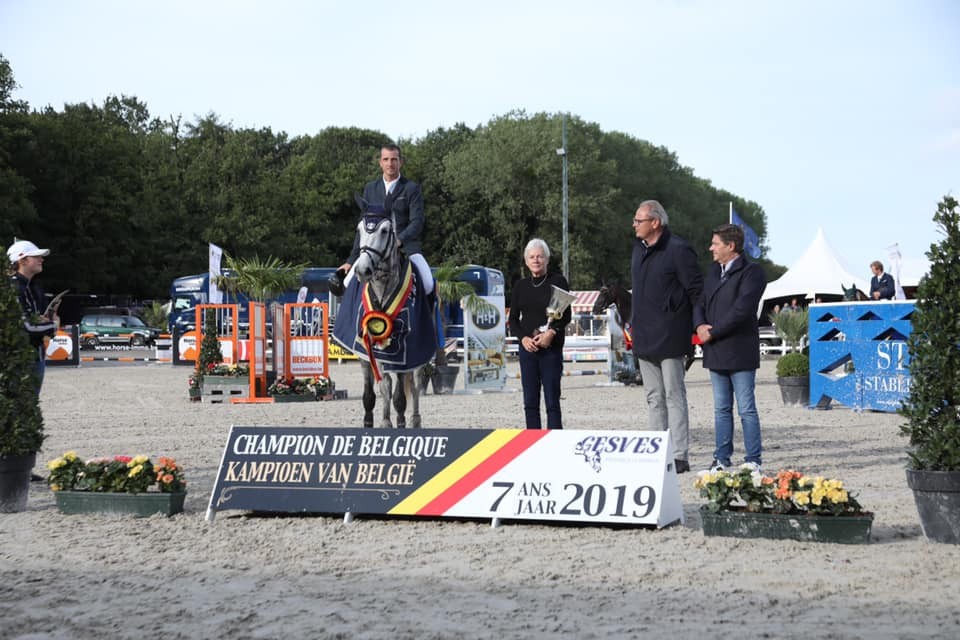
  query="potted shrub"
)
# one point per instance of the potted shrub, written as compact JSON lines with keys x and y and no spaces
{"x":932,"y":408}
{"x":21,"y":423}
{"x":793,"y":376}
{"x":121,"y":484}
{"x":790,"y":505}
{"x":209,"y":357}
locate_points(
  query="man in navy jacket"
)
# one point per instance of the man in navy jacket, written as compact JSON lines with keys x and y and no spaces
{"x":666,"y":284}
{"x":882,"y":286}
{"x":402,"y":199}
{"x":726,"y":320}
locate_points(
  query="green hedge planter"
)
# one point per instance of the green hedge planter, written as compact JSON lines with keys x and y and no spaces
{"x":809,"y":528}
{"x":135,"y":504}
{"x":221,"y":389}
{"x":295,"y":397}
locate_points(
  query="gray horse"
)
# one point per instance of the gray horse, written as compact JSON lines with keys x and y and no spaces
{"x":381,"y":268}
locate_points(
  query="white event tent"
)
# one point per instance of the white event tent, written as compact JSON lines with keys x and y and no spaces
{"x":818,"y":272}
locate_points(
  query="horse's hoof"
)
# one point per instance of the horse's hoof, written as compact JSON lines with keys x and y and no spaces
{"x":368,"y":425}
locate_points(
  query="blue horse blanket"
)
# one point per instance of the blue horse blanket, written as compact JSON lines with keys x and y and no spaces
{"x":400,"y":330}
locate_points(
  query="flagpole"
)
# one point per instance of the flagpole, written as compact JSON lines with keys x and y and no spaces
{"x":730,"y":215}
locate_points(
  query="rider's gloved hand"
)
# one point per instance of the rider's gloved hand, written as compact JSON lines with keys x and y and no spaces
{"x":336,"y":282}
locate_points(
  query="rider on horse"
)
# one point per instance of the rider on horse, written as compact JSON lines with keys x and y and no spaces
{"x":401,"y":198}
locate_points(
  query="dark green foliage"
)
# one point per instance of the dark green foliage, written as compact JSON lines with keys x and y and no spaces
{"x":793,"y":365}
{"x":933,"y":406}
{"x":790,"y":325}
{"x":259,"y":279}
{"x":131,"y":201}
{"x":21,"y":423}
{"x":210,"y":354}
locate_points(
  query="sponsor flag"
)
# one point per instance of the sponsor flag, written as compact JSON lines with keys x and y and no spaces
{"x":751,"y":241}
{"x":895,"y":262}
{"x":214,"y":295}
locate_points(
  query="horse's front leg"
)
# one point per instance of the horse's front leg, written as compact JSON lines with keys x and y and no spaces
{"x":386,"y":391}
{"x":400,"y":399}
{"x":369,"y":395}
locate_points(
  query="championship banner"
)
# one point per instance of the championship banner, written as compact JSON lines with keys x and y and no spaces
{"x":620,"y":477}
{"x":485,"y":346}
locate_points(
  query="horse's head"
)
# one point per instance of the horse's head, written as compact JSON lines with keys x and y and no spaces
{"x":851,"y":293}
{"x":378,"y":242}
{"x":604,"y":299}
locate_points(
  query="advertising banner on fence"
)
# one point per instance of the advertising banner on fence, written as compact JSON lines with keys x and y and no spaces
{"x":485,"y":348}
{"x":623,"y":367}
{"x":64,"y":347}
{"x":622,"y":477}
{"x":858,"y":354}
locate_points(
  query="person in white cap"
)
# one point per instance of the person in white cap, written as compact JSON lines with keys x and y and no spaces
{"x":26,"y":262}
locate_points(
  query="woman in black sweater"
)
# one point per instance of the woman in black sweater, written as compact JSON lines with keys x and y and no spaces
{"x":541,"y":352}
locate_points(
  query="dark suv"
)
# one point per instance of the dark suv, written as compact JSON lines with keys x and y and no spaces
{"x":115,"y":329}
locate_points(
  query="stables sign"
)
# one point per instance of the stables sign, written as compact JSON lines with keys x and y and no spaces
{"x":623,"y":477}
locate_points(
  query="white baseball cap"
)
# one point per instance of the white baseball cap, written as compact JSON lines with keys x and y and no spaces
{"x":24,"y":249}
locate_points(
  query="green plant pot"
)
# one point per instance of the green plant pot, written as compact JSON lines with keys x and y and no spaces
{"x":444,"y":379}
{"x":222,"y":388}
{"x":295,"y":397}
{"x":937,"y":496}
{"x":805,"y":528}
{"x":15,"y":481}
{"x":795,"y":390}
{"x":135,"y":504}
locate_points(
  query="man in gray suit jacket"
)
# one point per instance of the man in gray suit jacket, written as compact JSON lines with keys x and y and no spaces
{"x":402,"y":199}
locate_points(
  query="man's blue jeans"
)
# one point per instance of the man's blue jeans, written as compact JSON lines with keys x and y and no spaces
{"x":726,"y":385}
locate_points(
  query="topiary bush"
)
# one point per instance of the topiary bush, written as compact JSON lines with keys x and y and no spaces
{"x":21,"y":423}
{"x":793,"y":365}
{"x":210,"y":354}
{"x":933,"y":406}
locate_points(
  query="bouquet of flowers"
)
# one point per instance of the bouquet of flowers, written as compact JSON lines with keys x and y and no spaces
{"x":789,"y":492}
{"x":315,"y":386}
{"x":193,"y":382}
{"x":221,"y":369}
{"x":120,"y":474}
{"x":169,"y":475}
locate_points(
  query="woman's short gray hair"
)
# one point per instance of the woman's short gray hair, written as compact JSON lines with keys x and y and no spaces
{"x":537,"y":243}
{"x":655,"y":210}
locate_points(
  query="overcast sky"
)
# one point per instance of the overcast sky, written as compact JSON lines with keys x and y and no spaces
{"x":828,"y":113}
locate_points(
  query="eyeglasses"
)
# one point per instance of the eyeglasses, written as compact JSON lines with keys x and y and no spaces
{"x":642,"y":220}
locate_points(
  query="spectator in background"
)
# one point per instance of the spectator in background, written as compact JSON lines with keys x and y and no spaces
{"x":882,"y":286}
{"x":666,"y":284}
{"x":726,"y":319}
{"x":26,"y":262}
